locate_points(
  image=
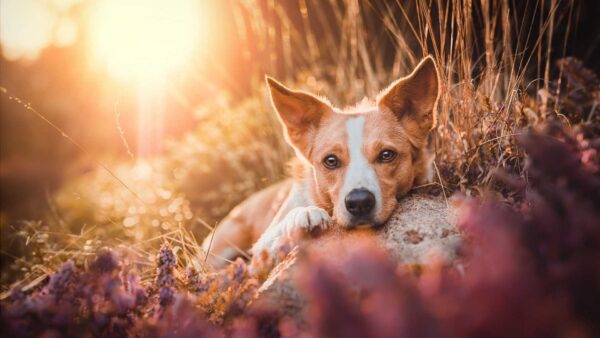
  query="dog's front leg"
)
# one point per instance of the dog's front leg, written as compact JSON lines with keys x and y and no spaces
{"x":299,"y":218}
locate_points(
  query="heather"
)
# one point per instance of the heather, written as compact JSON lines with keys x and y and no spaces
{"x":111,"y":247}
{"x":528,"y":270}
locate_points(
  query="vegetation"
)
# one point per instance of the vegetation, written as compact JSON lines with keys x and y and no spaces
{"x":118,"y":252}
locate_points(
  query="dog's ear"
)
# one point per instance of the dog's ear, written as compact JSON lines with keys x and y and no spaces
{"x":413,"y":98}
{"x":299,"y":113}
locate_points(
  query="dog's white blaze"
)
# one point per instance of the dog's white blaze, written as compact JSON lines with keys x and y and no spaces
{"x":359,"y":174}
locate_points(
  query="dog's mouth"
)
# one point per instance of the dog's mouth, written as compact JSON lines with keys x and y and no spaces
{"x":363,"y":224}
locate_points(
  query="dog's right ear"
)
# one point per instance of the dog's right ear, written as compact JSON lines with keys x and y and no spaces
{"x":299,"y":113}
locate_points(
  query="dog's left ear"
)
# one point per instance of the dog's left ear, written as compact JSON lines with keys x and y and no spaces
{"x":412,"y":99}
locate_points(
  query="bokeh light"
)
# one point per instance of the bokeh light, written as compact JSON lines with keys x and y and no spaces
{"x":28,"y":26}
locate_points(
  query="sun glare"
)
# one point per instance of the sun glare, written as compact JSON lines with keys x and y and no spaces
{"x":146,"y":38}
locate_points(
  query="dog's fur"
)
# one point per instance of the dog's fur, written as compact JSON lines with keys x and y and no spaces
{"x":399,"y":122}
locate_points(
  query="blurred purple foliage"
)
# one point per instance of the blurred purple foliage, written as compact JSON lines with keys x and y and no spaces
{"x":530,"y":270}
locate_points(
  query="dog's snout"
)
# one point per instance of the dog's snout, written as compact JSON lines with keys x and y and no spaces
{"x":360,"y":202}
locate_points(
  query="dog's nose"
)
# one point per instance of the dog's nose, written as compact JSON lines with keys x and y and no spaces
{"x":360,"y":202}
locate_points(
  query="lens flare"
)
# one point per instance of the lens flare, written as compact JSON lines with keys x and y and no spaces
{"x":144,"y":39}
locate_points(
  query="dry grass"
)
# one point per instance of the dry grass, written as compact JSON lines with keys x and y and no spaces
{"x":493,"y":59}
{"x":344,"y":50}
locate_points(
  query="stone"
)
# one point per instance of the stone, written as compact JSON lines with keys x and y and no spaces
{"x":422,"y":227}
{"x":421,"y":230}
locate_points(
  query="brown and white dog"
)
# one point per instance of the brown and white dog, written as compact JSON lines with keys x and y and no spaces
{"x":353,"y":164}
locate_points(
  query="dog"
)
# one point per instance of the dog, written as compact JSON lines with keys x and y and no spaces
{"x":351,"y":166}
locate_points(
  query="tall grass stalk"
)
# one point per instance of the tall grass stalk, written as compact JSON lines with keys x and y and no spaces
{"x":490,"y":52}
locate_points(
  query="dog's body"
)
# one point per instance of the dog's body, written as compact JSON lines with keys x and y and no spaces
{"x":352,"y":164}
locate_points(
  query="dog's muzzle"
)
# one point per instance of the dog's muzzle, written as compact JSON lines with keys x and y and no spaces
{"x":360,"y":203}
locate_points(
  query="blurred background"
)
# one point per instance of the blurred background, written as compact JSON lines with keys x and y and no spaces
{"x":136,"y":117}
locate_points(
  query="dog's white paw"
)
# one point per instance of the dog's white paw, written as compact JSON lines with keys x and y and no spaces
{"x":300,"y":218}
{"x":307,"y":218}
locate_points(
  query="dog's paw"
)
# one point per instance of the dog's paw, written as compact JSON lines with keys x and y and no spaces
{"x":306,"y":218}
{"x":297,"y":220}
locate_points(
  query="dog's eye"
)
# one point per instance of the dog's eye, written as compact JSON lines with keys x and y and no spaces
{"x":331,"y":162}
{"x":386,"y":156}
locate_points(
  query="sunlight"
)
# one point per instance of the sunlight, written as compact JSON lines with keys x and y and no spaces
{"x":145,"y":39}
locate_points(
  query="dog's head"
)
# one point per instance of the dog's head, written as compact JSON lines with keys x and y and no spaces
{"x":363,"y":158}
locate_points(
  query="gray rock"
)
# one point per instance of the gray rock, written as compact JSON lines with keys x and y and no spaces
{"x":422,"y":228}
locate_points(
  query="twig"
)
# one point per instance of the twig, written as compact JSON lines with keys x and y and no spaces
{"x":28,"y":107}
